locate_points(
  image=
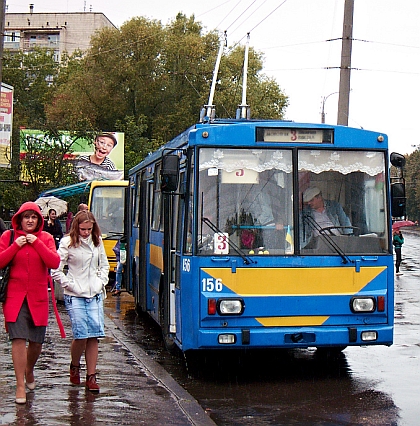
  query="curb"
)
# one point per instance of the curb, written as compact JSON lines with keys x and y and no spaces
{"x":187,"y":404}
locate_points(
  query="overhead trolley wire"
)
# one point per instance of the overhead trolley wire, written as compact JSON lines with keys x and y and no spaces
{"x":260,"y":22}
{"x":243,"y":13}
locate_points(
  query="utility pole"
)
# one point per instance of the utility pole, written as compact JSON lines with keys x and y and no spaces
{"x":345,"y":68}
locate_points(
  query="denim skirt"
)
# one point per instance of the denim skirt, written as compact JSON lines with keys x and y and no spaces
{"x":86,"y":316}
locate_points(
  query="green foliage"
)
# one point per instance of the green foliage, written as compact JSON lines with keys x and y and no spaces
{"x":412,"y":182}
{"x":160,"y":75}
{"x":44,"y":164}
{"x":32,"y":75}
{"x":136,"y":146}
{"x":145,"y":79}
{"x":263,"y":94}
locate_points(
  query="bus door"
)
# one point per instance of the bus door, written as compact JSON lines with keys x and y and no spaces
{"x":170,"y":210}
{"x":182,"y":238}
{"x":140,"y":262}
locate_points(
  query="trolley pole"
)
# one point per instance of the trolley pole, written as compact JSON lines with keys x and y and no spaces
{"x":345,"y":68}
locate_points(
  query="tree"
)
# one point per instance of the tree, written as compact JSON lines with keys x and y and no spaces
{"x":155,"y":79}
{"x":45,"y":161}
{"x":65,"y":111}
{"x":32,"y":75}
{"x":411,"y":174}
{"x":146,"y":79}
{"x":133,"y":130}
{"x":264,"y":96}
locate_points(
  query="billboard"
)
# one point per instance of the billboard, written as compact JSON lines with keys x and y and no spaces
{"x":6,"y":118}
{"x":102,"y":158}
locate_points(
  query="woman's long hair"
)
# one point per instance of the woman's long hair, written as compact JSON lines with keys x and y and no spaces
{"x":81,"y":217}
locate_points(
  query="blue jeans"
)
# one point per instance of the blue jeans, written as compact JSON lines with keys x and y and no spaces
{"x":118,"y":276}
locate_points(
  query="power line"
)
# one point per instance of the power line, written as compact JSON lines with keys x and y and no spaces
{"x":260,"y":22}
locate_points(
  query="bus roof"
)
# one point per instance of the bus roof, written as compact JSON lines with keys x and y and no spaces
{"x":80,"y":188}
{"x":242,"y":127}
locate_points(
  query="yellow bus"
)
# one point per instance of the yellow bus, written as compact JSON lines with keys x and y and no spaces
{"x":106,"y":202}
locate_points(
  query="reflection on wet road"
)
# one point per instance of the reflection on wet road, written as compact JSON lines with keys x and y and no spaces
{"x":364,"y":386}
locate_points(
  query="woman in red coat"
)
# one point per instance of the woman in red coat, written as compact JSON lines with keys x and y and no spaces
{"x":25,"y":310}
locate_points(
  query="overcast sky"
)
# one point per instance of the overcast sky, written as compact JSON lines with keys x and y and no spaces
{"x":300,"y":43}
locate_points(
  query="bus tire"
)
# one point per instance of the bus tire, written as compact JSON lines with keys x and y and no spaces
{"x":139,"y":310}
{"x":168,"y":338}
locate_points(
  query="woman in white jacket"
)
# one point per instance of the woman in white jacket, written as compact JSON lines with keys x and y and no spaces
{"x":84,"y":288}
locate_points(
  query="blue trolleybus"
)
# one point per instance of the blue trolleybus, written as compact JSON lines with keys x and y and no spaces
{"x":266,"y":234}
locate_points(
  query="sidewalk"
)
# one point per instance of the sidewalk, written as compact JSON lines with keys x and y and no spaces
{"x":135,"y":389}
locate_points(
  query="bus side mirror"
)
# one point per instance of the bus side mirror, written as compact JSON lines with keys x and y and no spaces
{"x":397,"y":160}
{"x":170,"y":173}
{"x":398,"y":200}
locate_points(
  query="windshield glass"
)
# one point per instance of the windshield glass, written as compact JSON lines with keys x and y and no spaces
{"x":107,"y":205}
{"x":245,"y":197}
{"x":245,"y":202}
{"x":342,"y":202}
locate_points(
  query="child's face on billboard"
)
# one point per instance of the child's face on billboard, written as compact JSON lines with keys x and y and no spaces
{"x":103,"y":146}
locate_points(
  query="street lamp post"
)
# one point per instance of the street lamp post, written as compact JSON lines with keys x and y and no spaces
{"x":323,"y":106}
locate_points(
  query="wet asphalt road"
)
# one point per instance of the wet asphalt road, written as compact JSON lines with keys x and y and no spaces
{"x":134,"y":389}
{"x":365,"y":386}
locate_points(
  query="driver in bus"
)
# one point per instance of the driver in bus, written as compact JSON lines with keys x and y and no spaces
{"x":320,"y":213}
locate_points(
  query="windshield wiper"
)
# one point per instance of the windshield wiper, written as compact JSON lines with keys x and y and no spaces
{"x":230,"y":243}
{"x":314,"y":225}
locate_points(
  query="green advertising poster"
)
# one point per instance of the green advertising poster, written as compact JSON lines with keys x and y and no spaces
{"x":99,"y":158}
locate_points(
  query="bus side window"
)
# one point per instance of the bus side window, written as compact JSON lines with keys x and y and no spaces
{"x":157,"y":201}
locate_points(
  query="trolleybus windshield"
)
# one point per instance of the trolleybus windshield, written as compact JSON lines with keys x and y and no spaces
{"x":261,"y":202}
{"x":107,"y":205}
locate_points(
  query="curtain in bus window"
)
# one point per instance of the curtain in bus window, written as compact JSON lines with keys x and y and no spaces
{"x":342,"y":202}
{"x":345,"y":162}
{"x":246,"y":195}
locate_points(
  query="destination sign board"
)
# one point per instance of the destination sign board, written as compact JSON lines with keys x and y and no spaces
{"x":293,"y":135}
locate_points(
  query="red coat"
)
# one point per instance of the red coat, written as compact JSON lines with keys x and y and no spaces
{"x":29,"y":271}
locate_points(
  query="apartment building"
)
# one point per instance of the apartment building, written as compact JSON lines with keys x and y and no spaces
{"x":63,"y":32}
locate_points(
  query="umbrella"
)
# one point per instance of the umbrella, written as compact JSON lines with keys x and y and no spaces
{"x":400,"y":223}
{"x":47,"y":203}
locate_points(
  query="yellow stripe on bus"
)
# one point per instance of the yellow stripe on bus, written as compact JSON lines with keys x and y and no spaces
{"x":292,"y":321}
{"x":156,"y":256}
{"x":295,"y":281}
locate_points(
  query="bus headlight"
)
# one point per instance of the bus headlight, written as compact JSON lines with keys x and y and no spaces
{"x":230,"y":306}
{"x":362,"y":304}
{"x":369,"y":336}
{"x":226,"y":339}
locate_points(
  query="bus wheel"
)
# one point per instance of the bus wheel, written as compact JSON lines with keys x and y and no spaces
{"x":139,"y":310}
{"x":168,"y":338}
{"x":169,"y":342}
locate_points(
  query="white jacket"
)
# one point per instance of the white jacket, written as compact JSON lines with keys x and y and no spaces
{"x":88,"y":268}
